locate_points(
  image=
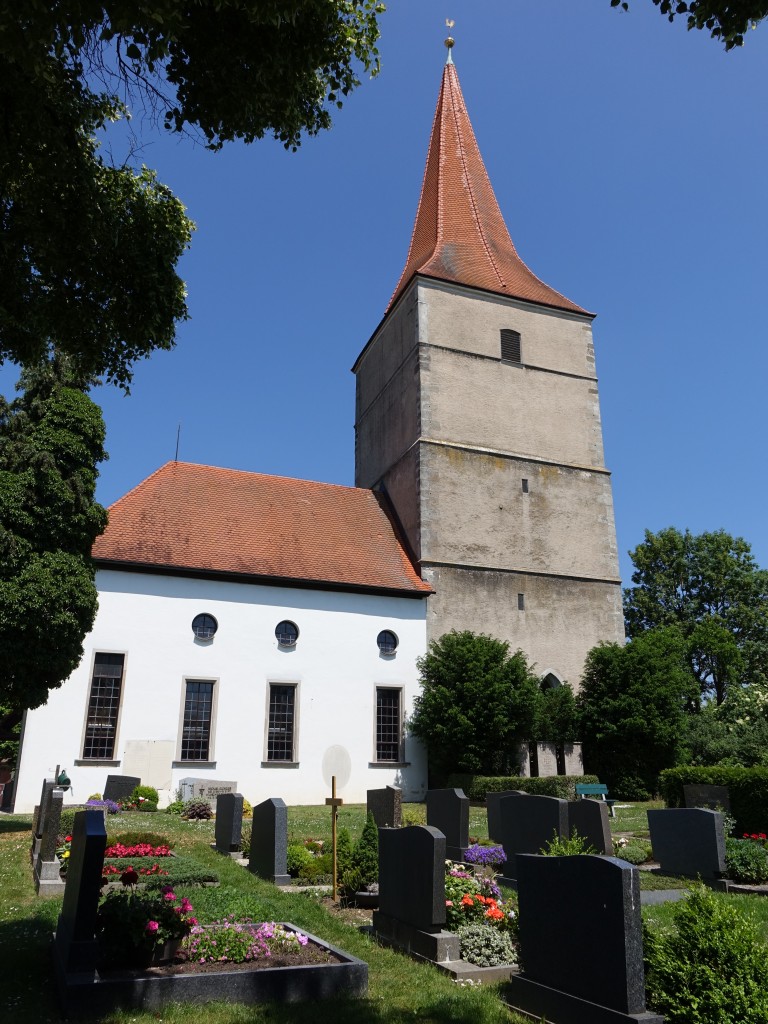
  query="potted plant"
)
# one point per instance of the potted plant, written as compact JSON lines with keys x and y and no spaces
{"x":136,"y":929}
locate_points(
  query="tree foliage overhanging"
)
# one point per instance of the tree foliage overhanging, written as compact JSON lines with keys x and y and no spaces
{"x":726,"y":20}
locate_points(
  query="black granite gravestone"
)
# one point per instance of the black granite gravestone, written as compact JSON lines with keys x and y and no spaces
{"x":715,"y":798}
{"x":42,"y":808}
{"x":528,"y":823}
{"x":120,"y":787}
{"x":48,"y":881}
{"x":75,"y":947}
{"x":411,"y":912}
{"x":448,"y":811}
{"x":493,"y":812}
{"x":386,"y":806}
{"x":581,"y":949}
{"x":590,"y":819}
{"x":688,"y":841}
{"x":229,"y":822}
{"x":269,"y":841}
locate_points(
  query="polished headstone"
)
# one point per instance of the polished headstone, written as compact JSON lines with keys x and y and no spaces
{"x":581,"y":930}
{"x":119,"y":787}
{"x":75,"y":941}
{"x":386,"y":806}
{"x":715,"y":798}
{"x":688,"y":841}
{"x":494,"y":814}
{"x":448,"y":811}
{"x":48,"y":881}
{"x":589,"y":818}
{"x":528,"y":823}
{"x":269,"y":841}
{"x":229,"y":822}
{"x":412,"y":876}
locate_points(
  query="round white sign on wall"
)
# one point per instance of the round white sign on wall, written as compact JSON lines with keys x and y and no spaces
{"x":336,"y":761}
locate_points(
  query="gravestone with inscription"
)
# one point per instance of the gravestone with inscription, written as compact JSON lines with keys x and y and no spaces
{"x":269,"y":842}
{"x":386,"y":806}
{"x":119,"y":787}
{"x":581,"y":946}
{"x":715,"y":798}
{"x":448,"y":811}
{"x":688,"y":841}
{"x":229,"y":823}
{"x":205,"y":789}
{"x":48,"y":880}
{"x":411,"y":914}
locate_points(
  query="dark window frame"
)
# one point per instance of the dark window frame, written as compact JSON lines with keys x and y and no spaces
{"x":281,"y":633}
{"x":197,"y":719}
{"x":102,"y":714}
{"x":281,"y":723}
{"x":389,"y":725}
{"x":511,"y":346}
{"x":203,"y":630}
{"x":384,"y":645}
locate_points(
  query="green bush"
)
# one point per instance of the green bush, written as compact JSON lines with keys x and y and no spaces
{"x":486,"y":946}
{"x":317,"y":869}
{"x":476,"y":786}
{"x":712,"y":969}
{"x":298,"y":856}
{"x":177,"y":807}
{"x":247,"y":808}
{"x":635,"y":852}
{"x":747,"y":788}
{"x":343,"y":851}
{"x":245,"y":841}
{"x":366,"y":854}
{"x":147,"y":805}
{"x":145,"y":793}
{"x":569,"y":846}
{"x":746,"y":861}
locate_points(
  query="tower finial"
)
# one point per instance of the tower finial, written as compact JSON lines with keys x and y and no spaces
{"x":450,"y":40}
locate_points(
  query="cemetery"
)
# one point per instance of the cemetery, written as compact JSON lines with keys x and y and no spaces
{"x":481,"y":919}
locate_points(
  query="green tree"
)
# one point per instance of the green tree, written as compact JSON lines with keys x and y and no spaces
{"x":633,"y":703}
{"x":711,"y":588}
{"x":51,"y":439}
{"x":728,"y":20}
{"x":558,"y":716}
{"x":477,"y":703}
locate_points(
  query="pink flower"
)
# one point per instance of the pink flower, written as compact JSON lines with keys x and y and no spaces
{"x":170,"y":897}
{"x":152,"y":926}
{"x":186,"y":906}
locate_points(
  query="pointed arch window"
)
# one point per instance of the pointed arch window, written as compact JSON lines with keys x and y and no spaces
{"x":511,"y":349}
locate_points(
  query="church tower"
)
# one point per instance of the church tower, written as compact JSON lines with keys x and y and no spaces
{"x":477,"y":413}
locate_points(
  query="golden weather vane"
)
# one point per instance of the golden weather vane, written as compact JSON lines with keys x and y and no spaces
{"x":450,"y":40}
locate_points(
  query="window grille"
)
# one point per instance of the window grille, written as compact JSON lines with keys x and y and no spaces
{"x":387,"y":725}
{"x":387,"y":641}
{"x":204,"y":626}
{"x":103,"y":706}
{"x":280,"y":729}
{"x":196,"y":727}
{"x":287,"y":633}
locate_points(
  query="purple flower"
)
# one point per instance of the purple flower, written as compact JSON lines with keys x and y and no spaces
{"x":487,"y":856}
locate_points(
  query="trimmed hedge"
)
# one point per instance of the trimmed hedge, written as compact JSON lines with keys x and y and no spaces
{"x":476,"y":786}
{"x":747,"y":788}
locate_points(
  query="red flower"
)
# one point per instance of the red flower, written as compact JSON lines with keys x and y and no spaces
{"x":129,"y":876}
{"x":67,"y":839}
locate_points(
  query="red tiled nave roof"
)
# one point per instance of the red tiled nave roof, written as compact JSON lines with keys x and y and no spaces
{"x":460,"y":234}
{"x":209,"y":520}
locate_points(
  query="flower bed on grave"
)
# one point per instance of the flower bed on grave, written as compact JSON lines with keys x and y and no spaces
{"x":485,"y":922}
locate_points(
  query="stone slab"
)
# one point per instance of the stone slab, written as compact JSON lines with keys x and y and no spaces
{"x":590,"y":819}
{"x":437,"y":946}
{"x":269,"y":841}
{"x":462,"y":970}
{"x":205,"y":789}
{"x":412,"y":876}
{"x":120,"y":787}
{"x":493,"y":812}
{"x":228,"y":827}
{"x":528,"y":823}
{"x":540,"y":1002}
{"x":688,"y":841}
{"x":714,"y":798}
{"x":448,"y":811}
{"x":348,"y":977}
{"x":386,"y":806}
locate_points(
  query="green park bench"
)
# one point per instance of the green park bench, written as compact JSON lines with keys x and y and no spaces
{"x":593,"y":790}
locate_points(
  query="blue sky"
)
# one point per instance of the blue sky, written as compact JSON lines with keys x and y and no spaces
{"x":629,"y":159}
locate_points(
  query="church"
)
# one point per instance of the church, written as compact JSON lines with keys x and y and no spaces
{"x":263,"y":631}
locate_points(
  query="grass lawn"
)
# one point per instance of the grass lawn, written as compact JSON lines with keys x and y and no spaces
{"x":399,"y":988}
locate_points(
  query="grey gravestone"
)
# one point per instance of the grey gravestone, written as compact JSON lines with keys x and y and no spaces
{"x":48,"y":881}
{"x":493,"y":812}
{"x":75,"y":947}
{"x":269,"y":842}
{"x":528,"y":823}
{"x":205,"y":789}
{"x":37,"y":825}
{"x":120,"y":787}
{"x":448,"y":811}
{"x":229,"y":823}
{"x":716,"y":798}
{"x":581,"y":947}
{"x":411,"y":912}
{"x":688,"y":841}
{"x":590,"y":819}
{"x":386,"y":806}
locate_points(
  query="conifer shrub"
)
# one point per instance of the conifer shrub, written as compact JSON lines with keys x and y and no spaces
{"x":343,"y":851}
{"x":366,"y":854}
{"x":712,"y":969}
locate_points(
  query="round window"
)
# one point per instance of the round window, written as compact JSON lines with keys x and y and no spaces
{"x":204,"y":626}
{"x":287,"y":633}
{"x":387,"y":641}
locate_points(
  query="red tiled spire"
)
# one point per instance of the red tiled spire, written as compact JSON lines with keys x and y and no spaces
{"x":460,"y":234}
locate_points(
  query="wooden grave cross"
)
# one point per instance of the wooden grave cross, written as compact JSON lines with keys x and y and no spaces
{"x":334,"y":802}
